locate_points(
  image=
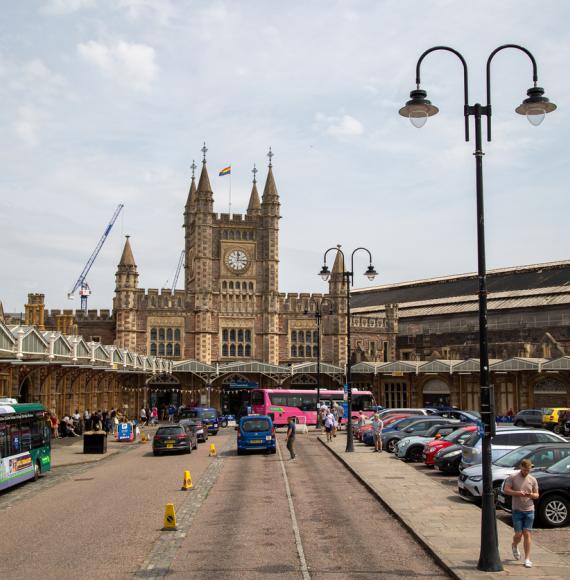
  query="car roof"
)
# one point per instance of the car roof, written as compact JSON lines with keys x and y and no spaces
{"x":552,"y":445}
{"x":248,"y":417}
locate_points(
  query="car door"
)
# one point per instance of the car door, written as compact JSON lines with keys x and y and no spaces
{"x":535,"y":418}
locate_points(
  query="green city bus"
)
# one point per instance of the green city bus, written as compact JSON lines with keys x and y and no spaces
{"x":25,"y":442}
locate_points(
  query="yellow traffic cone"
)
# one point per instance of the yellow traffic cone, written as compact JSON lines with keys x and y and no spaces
{"x":212,"y":450}
{"x":144,"y":438}
{"x":187,"y":483}
{"x":169,"y":517}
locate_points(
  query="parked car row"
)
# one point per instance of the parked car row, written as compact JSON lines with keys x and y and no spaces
{"x":556,"y":419}
{"x":454,"y":448}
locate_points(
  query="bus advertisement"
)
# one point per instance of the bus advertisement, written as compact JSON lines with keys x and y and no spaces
{"x":280,"y":404}
{"x":25,"y":442}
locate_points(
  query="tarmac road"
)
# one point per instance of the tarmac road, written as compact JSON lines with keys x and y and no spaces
{"x":245,"y":528}
{"x":98,"y":523}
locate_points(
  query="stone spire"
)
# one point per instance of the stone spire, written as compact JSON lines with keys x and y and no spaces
{"x":126,"y":276}
{"x":192,"y":192}
{"x":127,"y":259}
{"x":270,"y":194}
{"x":204,"y":182}
{"x":338,"y":266}
{"x":254,"y":207}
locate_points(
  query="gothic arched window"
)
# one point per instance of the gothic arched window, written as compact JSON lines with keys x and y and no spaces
{"x":176,"y":334}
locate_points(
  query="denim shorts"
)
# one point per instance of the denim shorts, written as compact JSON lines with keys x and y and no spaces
{"x":523,"y":521}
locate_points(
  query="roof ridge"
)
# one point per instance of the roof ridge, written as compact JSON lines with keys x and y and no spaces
{"x":426,"y":281}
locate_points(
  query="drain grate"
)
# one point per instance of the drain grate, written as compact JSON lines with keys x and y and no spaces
{"x":395,"y":477}
{"x":84,"y":479}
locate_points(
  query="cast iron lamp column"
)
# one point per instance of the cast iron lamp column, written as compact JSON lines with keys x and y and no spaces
{"x":418,"y":109}
{"x":348,"y":279}
{"x":318,"y":315}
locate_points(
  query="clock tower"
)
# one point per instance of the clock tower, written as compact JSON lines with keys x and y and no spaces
{"x":231,"y":276}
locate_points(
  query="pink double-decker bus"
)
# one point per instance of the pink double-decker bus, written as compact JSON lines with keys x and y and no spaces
{"x":280,"y":404}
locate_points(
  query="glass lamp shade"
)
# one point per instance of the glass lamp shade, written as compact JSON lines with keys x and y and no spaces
{"x":536,"y":106}
{"x":418,"y":108}
{"x":371,"y":273}
{"x":325,"y":273}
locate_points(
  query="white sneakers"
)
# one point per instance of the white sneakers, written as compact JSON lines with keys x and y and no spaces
{"x":527,"y":564}
{"x":516,"y":552}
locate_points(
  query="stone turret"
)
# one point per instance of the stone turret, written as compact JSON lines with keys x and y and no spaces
{"x":35,"y":309}
{"x":125,"y":301}
{"x":270,"y":207}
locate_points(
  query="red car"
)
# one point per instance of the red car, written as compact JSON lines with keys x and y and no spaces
{"x":456,"y":438}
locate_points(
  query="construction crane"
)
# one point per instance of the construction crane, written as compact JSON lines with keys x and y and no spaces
{"x":178,"y":268}
{"x":81,"y":284}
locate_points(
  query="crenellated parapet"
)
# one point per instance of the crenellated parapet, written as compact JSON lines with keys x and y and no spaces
{"x":162,"y":298}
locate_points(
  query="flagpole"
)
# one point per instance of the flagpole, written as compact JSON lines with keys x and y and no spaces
{"x":230,"y":196}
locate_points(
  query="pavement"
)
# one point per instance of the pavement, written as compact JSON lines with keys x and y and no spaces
{"x":447,"y":526}
{"x":68,"y":451}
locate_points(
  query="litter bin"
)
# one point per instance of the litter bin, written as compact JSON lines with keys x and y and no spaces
{"x":95,"y":442}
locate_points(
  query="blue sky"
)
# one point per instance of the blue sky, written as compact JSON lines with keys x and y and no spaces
{"x":109,"y":101}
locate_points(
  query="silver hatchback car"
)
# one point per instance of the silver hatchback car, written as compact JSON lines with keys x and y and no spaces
{"x":506,"y":439}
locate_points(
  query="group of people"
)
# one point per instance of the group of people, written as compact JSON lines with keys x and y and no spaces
{"x":148,"y":416}
{"x":331,"y":419}
{"x":75,"y":424}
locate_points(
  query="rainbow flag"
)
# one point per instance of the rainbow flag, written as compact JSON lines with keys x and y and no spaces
{"x":226,"y":170}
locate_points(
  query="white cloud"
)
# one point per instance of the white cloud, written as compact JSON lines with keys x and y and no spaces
{"x":131,"y":64}
{"x":344,"y":126}
{"x":160,"y":11}
{"x":60,"y":7}
{"x":27,"y":126}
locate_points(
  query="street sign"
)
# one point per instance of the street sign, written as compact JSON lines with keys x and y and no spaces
{"x":125,"y":432}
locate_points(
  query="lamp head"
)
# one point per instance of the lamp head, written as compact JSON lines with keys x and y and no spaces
{"x":371,"y":273}
{"x":325,"y":273}
{"x":418,"y":108}
{"x":536,"y":106}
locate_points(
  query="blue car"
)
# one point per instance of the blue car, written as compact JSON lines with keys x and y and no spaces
{"x":208,"y":415}
{"x":254,"y":433}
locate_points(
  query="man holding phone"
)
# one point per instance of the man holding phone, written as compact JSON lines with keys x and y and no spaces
{"x":523,"y":488}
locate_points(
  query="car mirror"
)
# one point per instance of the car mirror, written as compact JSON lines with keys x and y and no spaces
{"x":408,"y":430}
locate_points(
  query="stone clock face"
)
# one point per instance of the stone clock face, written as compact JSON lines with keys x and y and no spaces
{"x":237,"y":260}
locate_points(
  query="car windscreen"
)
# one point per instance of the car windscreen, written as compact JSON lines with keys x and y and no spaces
{"x":512,"y":458}
{"x":169,"y":431}
{"x":200,"y":414}
{"x":548,"y":411}
{"x":562,"y":467}
{"x":254,"y":425}
{"x":472,"y":441}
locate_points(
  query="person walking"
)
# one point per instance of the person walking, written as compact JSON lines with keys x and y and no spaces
{"x":171,"y":412}
{"x":329,"y":425}
{"x":291,"y":432}
{"x":377,"y":427}
{"x":523,"y":488}
{"x":143,"y":416}
{"x":340,"y":415}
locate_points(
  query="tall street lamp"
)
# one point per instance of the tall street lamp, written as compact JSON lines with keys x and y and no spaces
{"x":418,"y":109}
{"x":348,"y":279}
{"x":318,"y":314}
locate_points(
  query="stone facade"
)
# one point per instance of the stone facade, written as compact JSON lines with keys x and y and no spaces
{"x":231,"y":307}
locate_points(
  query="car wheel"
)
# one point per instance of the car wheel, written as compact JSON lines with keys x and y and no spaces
{"x":214,"y":433}
{"x":415,"y":454}
{"x":37,"y":471}
{"x":391,"y":445}
{"x":224,"y":423}
{"x":554,"y":511}
{"x":519,"y":423}
{"x":240,"y":451}
{"x":189,"y":450}
{"x":155,"y":453}
{"x":273,"y":451}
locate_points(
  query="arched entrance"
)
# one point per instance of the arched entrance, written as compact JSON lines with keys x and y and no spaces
{"x":436,"y":393}
{"x":550,"y":393}
{"x":236,"y":392}
{"x":164,"y":390}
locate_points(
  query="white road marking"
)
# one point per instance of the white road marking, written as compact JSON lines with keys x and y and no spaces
{"x":299,"y":544}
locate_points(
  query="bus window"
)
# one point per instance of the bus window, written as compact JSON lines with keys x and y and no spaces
{"x":3,"y":441}
{"x":14,"y":439}
{"x":257,"y":398}
{"x":37,"y":433}
{"x":26,"y":436}
{"x":278,"y":399}
{"x":362,"y":402}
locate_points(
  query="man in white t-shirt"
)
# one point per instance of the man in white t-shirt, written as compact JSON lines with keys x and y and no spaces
{"x":377,"y":426}
{"x":523,"y":488}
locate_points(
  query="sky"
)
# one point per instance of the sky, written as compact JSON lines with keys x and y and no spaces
{"x":105,"y":102}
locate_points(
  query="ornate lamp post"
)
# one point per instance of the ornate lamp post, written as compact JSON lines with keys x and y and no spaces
{"x":318,"y":314}
{"x":348,"y":279}
{"x":418,"y":109}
